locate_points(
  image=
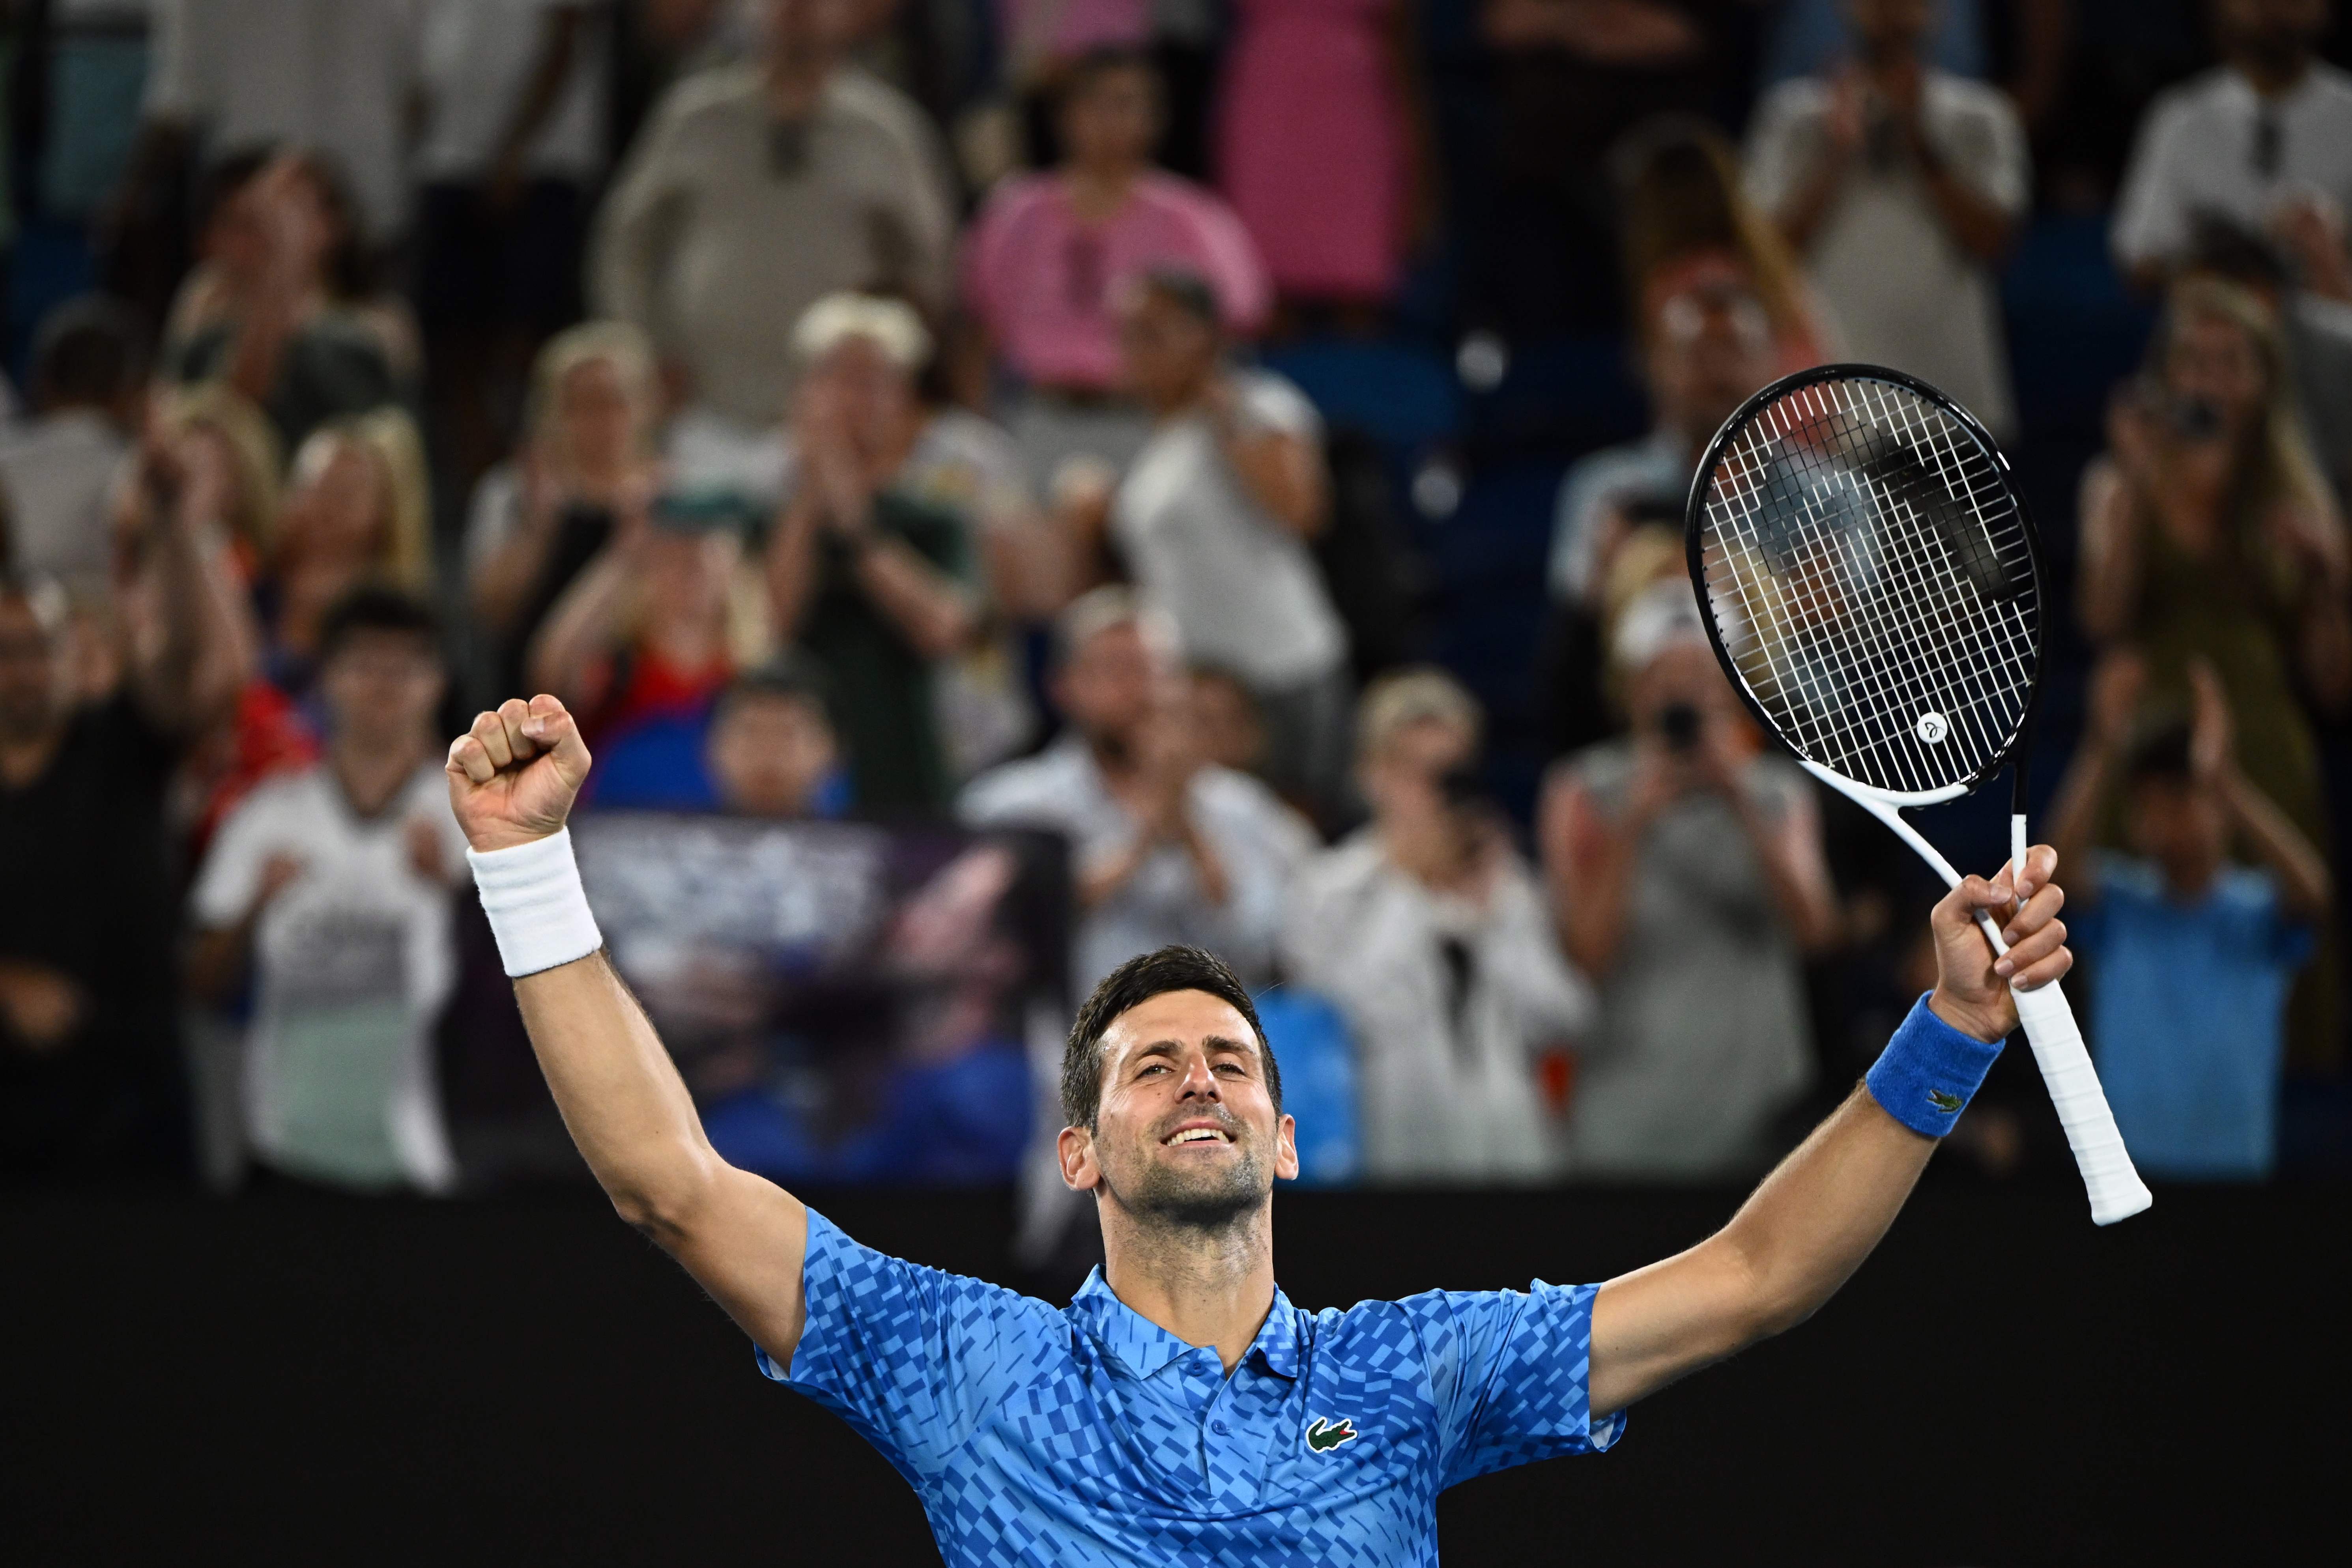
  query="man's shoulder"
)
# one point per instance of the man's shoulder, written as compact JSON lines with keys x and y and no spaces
{"x":858,"y":94}
{"x":2184,"y":102}
{"x":1965,"y":96}
{"x":1053,"y":785}
{"x":721,"y":93}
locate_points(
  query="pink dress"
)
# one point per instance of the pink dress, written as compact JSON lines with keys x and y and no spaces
{"x":1047,"y":286}
{"x":1311,"y":145}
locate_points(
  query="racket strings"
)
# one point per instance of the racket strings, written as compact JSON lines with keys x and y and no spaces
{"x":1870,"y":577}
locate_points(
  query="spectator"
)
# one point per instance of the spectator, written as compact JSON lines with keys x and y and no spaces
{"x":58,"y":470}
{"x":514,"y":142}
{"x":335,"y":79}
{"x":1688,"y":880}
{"x":2195,"y":955}
{"x":655,"y":626}
{"x":754,"y":192}
{"x":876,"y":583}
{"x":2253,"y":141}
{"x":281,"y":308}
{"x":1686,"y":209}
{"x":764,"y":747}
{"x":1901,"y":184}
{"x":1169,"y":849}
{"x":1225,"y":717}
{"x":331,"y":888}
{"x":938,"y":456}
{"x":252,"y":460}
{"x":356,"y":509}
{"x":1214,"y":519}
{"x":89,"y":1071}
{"x":2314,"y":337}
{"x":1809,"y":37}
{"x":1321,"y":146}
{"x":1431,"y":935}
{"x":1706,"y":344}
{"x":2208,"y":531}
{"x":1049,"y":255}
{"x":587,"y":457}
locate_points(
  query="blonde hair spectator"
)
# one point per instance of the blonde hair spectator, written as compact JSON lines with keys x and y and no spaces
{"x":1401,"y":698}
{"x":623,"y":347}
{"x":892,"y":325}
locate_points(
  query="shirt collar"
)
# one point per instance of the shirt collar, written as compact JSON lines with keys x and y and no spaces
{"x":1145,"y":1348}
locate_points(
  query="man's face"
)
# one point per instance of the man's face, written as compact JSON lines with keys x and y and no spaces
{"x":382,"y":687}
{"x":2212,"y":360}
{"x":1405,"y":778}
{"x":1166,"y":349}
{"x":770,"y":752}
{"x":2281,"y":34}
{"x":822,"y":27}
{"x":599,"y":418}
{"x":1887,"y":28}
{"x":32,"y":676}
{"x":1113,"y":119}
{"x":2185,"y":829}
{"x":1187,"y":1133}
{"x":1112,"y":683}
{"x":1710,"y":347}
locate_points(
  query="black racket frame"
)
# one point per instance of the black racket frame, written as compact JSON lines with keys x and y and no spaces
{"x":2017,"y":752}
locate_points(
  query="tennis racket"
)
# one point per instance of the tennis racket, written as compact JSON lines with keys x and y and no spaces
{"x":1873,"y":584}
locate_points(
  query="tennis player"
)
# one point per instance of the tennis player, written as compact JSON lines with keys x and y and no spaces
{"x":1180,"y":1409}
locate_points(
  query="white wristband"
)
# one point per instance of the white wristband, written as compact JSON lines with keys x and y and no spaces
{"x":538,"y":910}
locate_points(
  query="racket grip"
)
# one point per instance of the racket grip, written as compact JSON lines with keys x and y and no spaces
{"x":2116,"y":1191}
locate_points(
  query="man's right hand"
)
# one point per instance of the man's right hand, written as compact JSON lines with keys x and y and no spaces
{"x":513,"y":776}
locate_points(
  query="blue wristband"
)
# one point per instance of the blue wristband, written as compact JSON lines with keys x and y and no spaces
{"x":1929,"y":1071}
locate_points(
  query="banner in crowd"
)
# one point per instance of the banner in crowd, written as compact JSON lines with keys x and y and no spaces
{"x":849,"y":1004}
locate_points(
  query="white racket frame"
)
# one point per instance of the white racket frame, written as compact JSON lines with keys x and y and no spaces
{"x":2117,"y":1191}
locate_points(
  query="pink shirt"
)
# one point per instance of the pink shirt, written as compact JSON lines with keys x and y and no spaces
{"x":1046,"y":286}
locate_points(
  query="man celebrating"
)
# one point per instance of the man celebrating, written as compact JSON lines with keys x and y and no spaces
{"x":1180,"y":1408}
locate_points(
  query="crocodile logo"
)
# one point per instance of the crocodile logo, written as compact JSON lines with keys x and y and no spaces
{"x":1947,"y":1104}
{"x":1325,"y":1435}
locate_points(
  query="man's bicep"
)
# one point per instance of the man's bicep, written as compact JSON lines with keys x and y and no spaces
{"x":749,"y":1248}
{"x":1665,"y":1321}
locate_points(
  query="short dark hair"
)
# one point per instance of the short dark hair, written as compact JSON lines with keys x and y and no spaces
{"x":377,"y":607}
{"x":2161,"y":756}
{"x":1131,"y":984}
{"x":1189,"y":291}
{"x":87,"y":350}
{"x":1102,"y":60}
{"x":788,"y":674}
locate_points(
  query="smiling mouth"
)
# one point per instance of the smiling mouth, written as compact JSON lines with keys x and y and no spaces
{"x":1198,"y":1135}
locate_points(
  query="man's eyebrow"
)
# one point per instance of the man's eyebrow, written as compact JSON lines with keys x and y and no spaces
{"x":1211,"y":1045}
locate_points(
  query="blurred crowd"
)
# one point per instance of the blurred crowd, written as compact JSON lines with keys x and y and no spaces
{"x":877,"y":410}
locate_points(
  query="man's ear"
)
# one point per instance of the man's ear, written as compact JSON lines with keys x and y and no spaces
{"x":1074,"y":1148}
{"x":1285,"y":1148}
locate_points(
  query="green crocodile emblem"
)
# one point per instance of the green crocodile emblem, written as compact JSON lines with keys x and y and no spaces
{"x":1947,"y":1104}
{"x":1325,"y":1435}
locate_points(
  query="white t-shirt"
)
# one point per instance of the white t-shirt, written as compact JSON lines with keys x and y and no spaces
{"x":1903,"y":291}
{"x":332,"y":75}
{"x":58,"y":474}
{"x":352,"y":961}
{"x":479,"y":57}
{"x":1242,"y":588}
{"x":2197,"y":152}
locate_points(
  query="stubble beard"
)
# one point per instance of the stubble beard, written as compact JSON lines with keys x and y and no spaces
{"x":1161,"y":1197}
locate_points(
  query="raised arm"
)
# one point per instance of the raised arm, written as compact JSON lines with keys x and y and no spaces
{"x":1815,"y":1218}
{"x":512,"y":778}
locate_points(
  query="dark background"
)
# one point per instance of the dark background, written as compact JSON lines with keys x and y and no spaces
{"x":524,"y":1380}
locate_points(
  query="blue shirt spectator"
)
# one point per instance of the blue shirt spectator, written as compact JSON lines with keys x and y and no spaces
{"x":764,"y":748}
{"x":2187,"y":1015}
{"x":2194,"y":956}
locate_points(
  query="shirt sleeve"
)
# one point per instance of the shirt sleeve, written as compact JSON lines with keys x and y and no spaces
{"x":232,"y":868}
{"x":1510,"y":1373}
{"x":913,"y":1358}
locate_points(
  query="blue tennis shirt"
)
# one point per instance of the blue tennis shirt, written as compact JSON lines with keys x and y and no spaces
{"x":1091,"y":1436}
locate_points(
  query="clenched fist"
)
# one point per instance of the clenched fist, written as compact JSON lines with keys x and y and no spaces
{"x":513,"y":776}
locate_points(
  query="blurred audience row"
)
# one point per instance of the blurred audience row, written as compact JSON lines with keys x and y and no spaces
{"x":878,"y":438}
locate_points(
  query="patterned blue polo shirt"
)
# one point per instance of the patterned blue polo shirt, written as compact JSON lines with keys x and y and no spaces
{"x":1092,"y":1435}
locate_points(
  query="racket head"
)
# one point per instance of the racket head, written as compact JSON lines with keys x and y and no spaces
{"x":1871,"y":580}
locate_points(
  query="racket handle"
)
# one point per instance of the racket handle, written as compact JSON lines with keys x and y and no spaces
{"x":2116,"y":1191}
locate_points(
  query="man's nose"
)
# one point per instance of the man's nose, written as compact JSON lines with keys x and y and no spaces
{"x":1200,"y":1083}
